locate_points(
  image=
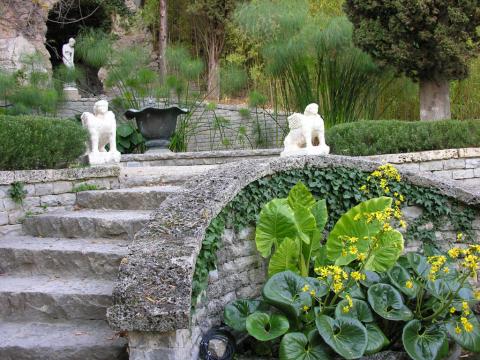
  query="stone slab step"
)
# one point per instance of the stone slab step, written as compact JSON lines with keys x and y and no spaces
{"x":160,"y":175}
{"x":137,"y":198}
{"x":43,"y":298}
{"x":118,"y":224}
{"x":96,"y":258}
{"x":81,"y":340}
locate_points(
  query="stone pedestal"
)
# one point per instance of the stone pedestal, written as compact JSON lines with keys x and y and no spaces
{"x":104,"y":158}
{"x":314,"y":150}
{"x":71,"y":93}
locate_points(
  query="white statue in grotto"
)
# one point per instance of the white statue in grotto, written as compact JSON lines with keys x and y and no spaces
{"x":101,"y":126}
{"x":68,"y":53}
{"x":307,"y":134}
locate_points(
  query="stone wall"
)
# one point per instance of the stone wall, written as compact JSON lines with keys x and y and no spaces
{"x":48,"y":190}
{"x":152,"y":297}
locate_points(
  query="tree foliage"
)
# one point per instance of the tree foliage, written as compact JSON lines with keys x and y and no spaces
{"x":431,"y":40}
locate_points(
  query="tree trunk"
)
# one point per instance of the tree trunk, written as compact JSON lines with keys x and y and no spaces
{"x":162,"y":39}
{"x":435,"y":100}
{"x":213,"y":85}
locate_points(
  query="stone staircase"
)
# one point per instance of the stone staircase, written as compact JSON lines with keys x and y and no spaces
{"x":56,"y":278}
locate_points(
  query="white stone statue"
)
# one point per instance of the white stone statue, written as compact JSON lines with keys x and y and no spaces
{"x":307,"y":134}
{"x":68,"y":53}
{"x":102,"y":128}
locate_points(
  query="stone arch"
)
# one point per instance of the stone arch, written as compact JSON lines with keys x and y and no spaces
{"x":153,"y":291}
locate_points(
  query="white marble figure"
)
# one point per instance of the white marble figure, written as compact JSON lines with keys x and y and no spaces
{"x":101,"y":126}
{"x":307,"y":134}
{"x":68,"y":53}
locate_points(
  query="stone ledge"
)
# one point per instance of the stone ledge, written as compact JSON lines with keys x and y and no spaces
{"x":52,"y":175}
{"x":154,"y":286}
{"x":428,"y":155}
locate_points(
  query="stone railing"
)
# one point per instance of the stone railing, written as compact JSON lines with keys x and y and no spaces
{"x":48,"y":190}
{"x":152,"y":297}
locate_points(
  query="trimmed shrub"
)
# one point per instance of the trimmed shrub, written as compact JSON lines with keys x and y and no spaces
{"x":392,"y":136}
{"x":32,"y":142}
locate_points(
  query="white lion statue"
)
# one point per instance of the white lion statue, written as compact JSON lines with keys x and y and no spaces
{"x":307,"y":134}
{"x":102,"y":127}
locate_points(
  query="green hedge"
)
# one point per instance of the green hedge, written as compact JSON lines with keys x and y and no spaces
{"x":33,"y":142}
{"x":391,"y":136}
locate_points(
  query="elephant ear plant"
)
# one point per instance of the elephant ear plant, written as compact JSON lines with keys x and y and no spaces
{"x":355,"y":294}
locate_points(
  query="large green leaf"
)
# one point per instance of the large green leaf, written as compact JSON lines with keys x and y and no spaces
{"x":467,"y":340}
{"x":419,"y":264}
{"x":125,"y":130}
{"x":276,"y":222}
{"x":422,"y":343}
{"x":236,"y":313}
{"x":387,"y":250}
{"x":296,"y":346}
{"x":319,"y":210}
{"x":305,"y":223}
{"x":399,"y":276}
{"x":387,"y":302}
{"x":347,"y":337}
{"x":360,"y":311}
{"x":300,"y":195}
{"x":266,"y":327}
{"x":376,"y":339}
{"x":320,"y":288}
{"x":285,"y":257}
{"x":347,"y":226}
{"x":284,"y":291}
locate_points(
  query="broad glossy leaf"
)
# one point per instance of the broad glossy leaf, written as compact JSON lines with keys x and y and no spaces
{"x":388,"y":248}
{"x":285,"y":257}
{"x":347,"y":226}
{"x":265,"y":327}
{"x":319,"y":287}
{"x":360,"y":311}
{"x":371,"y":278}
{"x":399,"y":276}
{"x":356,"y":292}
{"x":276,"y":222}
{"x":236,"y":313}
{"x":419,"y":264}
{"x":376,"y":339}
{"x":347,"y":337}
{"x":422,"y":343}
{"x":296,"y":346}
{"x":284,"y":291}
{"x":319,"y":210}
{"x":300,"y":195}
{"x":387,"y":302}
{"x":124,"y":130}
{"x":305,"y":223}
{"x":469,"y":341}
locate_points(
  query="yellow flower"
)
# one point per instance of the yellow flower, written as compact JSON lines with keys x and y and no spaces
{"x":467,"y":325}
{"x":346,"y":309}
{"x":387,"y":227}
{"x":409,"y":284}
{"x":454,"y":253}
{"x":312,"y":292}
{"x":465,"y":308}
{"x":357,"y":276}
{"x":353,"y":250}
{"x":476,"y":293}
{"x":446,"y":270}
{"x":364,"y":188}
{"x":458,"y":330}
{"x":452,"y":310}
{"x":361,"y":257}
{"x":459,"y":237}
{"x":403,"y":224}
{"x":306,"y":308}
{"x":306,"y":288}
{"x":349,"y":299}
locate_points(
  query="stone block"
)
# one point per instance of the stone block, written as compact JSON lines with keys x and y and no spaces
{"x":472,"y":163}
{"x":16,"y":216}
{"x":33,"y":201}
{"x":10,"y":205}
{"x":469,"y":152}
{"x":431,"y":165}
{"x":67,"y":199}
{"x":476,"y":173}
{"x":412,"y":212}
{"x":462,"y":174}
{"x":3,"y":218}
{"x":61,"y":187}
{"x":43,"y":189}
{"x":476,"y":224}
{"x":4,"y":191}
{"x":451,"y":164}
{"x":447,"y":174}
{"x":30,"y":189}
{"x":228,"y":237}
{"x":413,"y":167}
{"x":7,"y":177}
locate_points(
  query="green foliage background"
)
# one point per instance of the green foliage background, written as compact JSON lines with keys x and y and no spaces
{"x":340,"y":187}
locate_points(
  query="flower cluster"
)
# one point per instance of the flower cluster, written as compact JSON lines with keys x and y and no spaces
{"x":466,"y":324}
{"x":347,"y":308}
{"x":437,"y":262}
{"x":471,"y":258}
{"x":335,"y":273}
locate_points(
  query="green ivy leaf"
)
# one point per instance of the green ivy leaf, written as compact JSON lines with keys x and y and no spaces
{"x":467,"y":340}
{"x":236,"y":313}
{"x":376,"y":339}
{"x":360,"y":311}
{"x":266,"y":327}
{"x":296,"y":346}
{"x":387,"y":302}
{"x":347,"y":337}
{"x":422,"y":343}
{"x":276,"y":222}
{"x":285,"y":257}
{"x":284,"y":291}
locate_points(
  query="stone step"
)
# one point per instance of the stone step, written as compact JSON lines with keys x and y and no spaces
{"x":43,"y":298}
{"x":96,"y":258}
{"x":80,"y":340}
{"x":160,"y":175}
{"x":118,"y":224}
{"x":137,"y":198}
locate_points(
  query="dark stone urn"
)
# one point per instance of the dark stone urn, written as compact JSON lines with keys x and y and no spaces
{"x":156,"y":125}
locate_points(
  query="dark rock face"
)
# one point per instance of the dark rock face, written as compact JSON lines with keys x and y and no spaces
{"x":153,"y":291}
